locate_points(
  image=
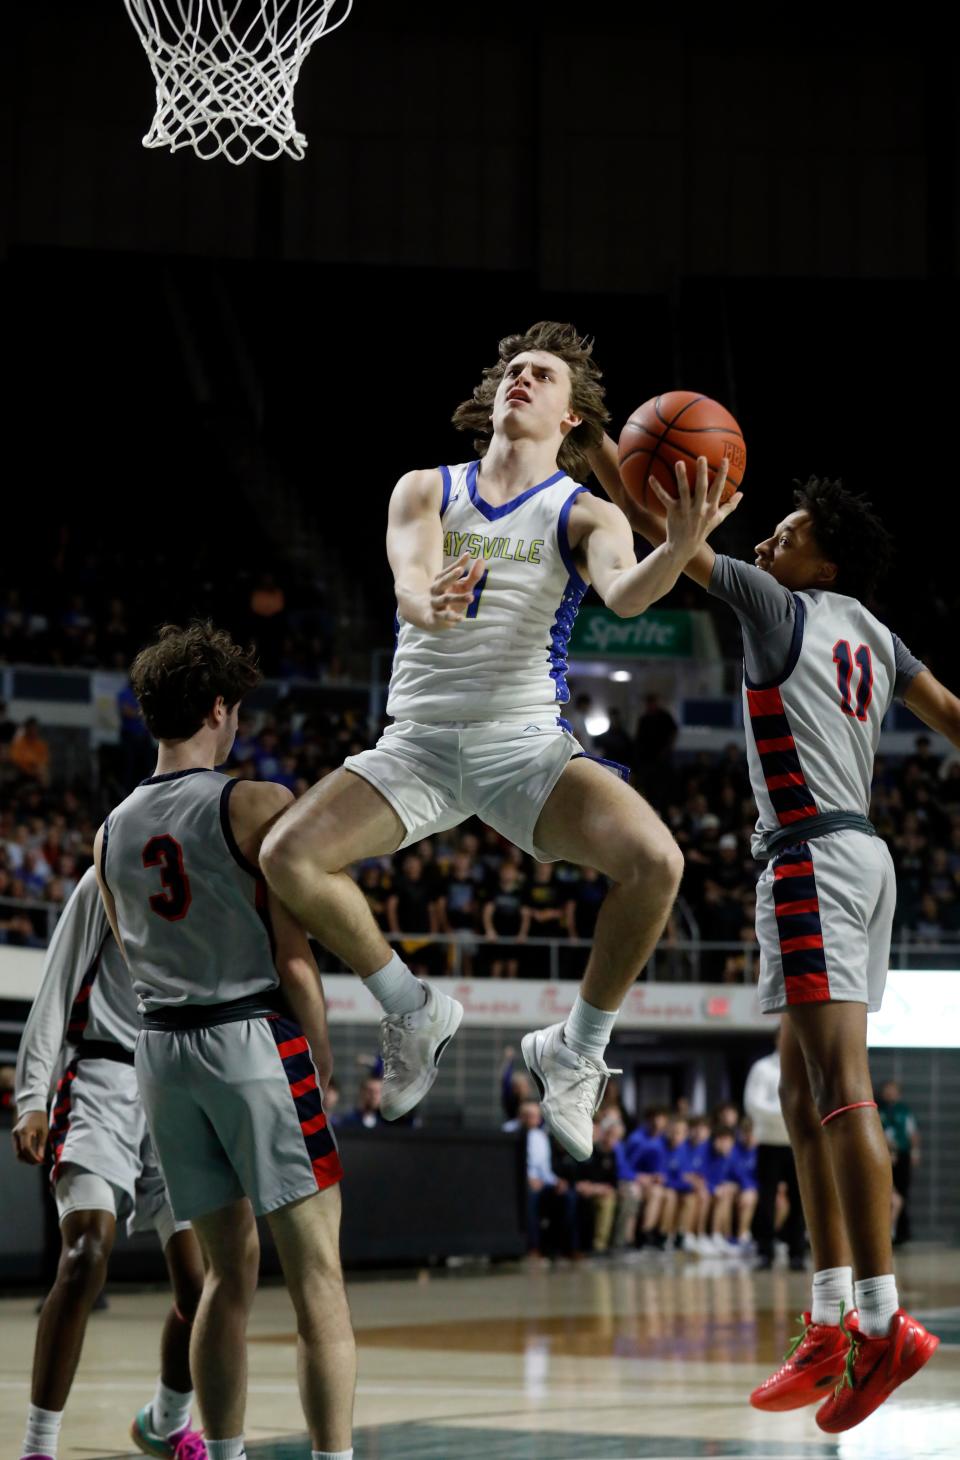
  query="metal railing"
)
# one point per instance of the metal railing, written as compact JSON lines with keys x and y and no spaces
{"x":43,"y":915}
{"x":674,"y":960}
{"x":466,"y":953}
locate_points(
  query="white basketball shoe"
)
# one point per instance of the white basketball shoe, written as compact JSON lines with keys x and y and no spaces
{"x":411,"y":1045}
{"x":571,"y":1087}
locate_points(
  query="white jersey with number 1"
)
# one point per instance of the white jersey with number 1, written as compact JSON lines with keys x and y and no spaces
{"x":507,"y":659}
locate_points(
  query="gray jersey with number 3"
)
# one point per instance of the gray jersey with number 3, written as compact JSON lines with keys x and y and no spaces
{"x":191,"y":910}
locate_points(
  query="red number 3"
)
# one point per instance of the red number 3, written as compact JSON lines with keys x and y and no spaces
{"x":167,"y":853}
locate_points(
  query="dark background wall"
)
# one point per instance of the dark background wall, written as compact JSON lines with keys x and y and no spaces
{"x":767,"y":214}
{"x":589,"y":146}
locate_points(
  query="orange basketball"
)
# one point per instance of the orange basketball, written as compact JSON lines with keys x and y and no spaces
{"x":679,"y":426}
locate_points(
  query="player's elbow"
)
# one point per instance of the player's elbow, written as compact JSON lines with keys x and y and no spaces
{"x":622,"y":603}
{"x":323,"y":1064}
{"x":952,"y":727}
{"x":295,"y":967}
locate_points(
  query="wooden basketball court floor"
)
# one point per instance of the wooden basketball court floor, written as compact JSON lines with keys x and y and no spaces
{"x":650,"y":1359}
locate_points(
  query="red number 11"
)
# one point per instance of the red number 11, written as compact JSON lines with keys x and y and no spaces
{"x":845,"y":661}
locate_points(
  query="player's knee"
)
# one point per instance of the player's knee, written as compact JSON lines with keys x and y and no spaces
{"x":673,"y":858}
{"x":798,"y":1108}
{"x":834,"y":1085}
{"x":234,"y":1266}
{"x":662,"y":868}
{"x":286,"y":854}
{"x":277,"y":854}
{"x":655,"y":866}
{"x":186,"y":1297}
{"x":234,"y":1283}
{"x":83,"y":1265}
{"x":318,"y":1298}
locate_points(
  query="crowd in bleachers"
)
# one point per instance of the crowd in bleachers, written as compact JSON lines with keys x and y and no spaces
{"x":675,"y":1180}
{"x":497,"y":905}
{"x":104,"y":608}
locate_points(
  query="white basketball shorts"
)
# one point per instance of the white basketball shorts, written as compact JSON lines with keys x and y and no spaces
{"x":435,"y":776}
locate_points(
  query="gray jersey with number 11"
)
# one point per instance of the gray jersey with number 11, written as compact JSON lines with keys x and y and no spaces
{"x":820,"y":674}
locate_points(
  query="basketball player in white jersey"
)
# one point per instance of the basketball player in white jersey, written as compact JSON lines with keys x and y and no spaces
{"x":231,"y":1080}
{"x":104,"y":1171}
{"x":820,"y":673}
{"x":491,"y":559}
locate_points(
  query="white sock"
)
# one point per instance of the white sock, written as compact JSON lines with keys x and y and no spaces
{"x":43,"y":1431}
{"x":169,"y":1409}
{"x":395,"y":988}
{"x":225,"y":1449}
{"x":877,"y":1302}
{"x":831,"y":1287}
{"x":588,"y":1030}
{"x":331,"y":1454}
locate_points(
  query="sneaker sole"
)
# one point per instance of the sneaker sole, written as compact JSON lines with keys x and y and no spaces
{"x":414,"y":1093}
{"x":529,"y":1051}
{"x":146,"y":1447}
{"x":922,"y":1355}
{"x":786,"y":1402}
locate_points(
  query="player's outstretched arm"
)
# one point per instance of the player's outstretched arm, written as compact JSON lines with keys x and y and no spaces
{"x":605,"y":465}
{"x":77,"y":939}
{"x":428,"y":595}
{"x":626,"y":586}
{"x":254,"y":808}
{"x":936,"y":706}
{"x":302,"y":986}
{"x":109,"y":906}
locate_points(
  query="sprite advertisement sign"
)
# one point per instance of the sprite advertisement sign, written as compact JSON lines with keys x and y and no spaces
{"x":657,"y":634}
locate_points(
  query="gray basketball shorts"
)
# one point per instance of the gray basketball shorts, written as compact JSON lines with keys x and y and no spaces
{"x":824,"y":921}
{"x":97,"y":1124}
{"x":78,"y":1190}
{"x":103,"y":1158}
{"x":236,"y":1110}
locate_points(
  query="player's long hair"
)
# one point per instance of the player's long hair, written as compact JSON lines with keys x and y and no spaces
{"x":848,"y":532}
{"x":586,"y":393}
{"x":177,"y":679}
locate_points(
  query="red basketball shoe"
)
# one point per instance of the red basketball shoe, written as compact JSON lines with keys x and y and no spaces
{"x":874,"y":1368}
{"x":813,"y":1362}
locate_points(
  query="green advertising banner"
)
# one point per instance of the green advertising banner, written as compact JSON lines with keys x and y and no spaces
{"x":659,"y":633}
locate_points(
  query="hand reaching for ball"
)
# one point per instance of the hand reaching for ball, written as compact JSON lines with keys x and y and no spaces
{"x":693,"y":515}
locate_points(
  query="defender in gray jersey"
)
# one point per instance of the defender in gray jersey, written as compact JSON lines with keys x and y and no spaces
{"x":491,"y":559}
{"x":233,"y":1054}
{"x":84,"y":1022}
{"x":820,"y":673}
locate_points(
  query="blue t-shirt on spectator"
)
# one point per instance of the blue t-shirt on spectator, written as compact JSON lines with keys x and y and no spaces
{"x":632,"y":1149}
{"x":698,"y":1157}
{"x":626,"y":1170}
{"x":244,"y":748}
{"x":677,"y":1165}
{"x":744,"y":1160}
{"x":653,"y":1158}
{"x":717,"y":1168}
{"x":132,"y":724}
{"x":268,"y":765}
{"x":643,"y":1152}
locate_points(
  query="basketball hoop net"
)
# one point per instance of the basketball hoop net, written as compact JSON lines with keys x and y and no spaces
{"x":226,"y":70}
